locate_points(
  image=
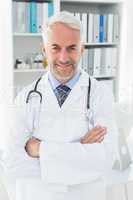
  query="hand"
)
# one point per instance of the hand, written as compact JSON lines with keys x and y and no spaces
{"x":96,"y":135}
{"x":32,"y":147}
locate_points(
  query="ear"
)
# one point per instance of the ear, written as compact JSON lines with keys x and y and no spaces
{"x":44,"y":50}
{"x":82,"y":48}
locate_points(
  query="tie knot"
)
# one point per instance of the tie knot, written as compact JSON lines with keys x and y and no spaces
{"x":61,"y":93}
{"x":64,"y":88}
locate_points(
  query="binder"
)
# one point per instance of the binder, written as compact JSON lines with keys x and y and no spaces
{"x":50,"y":9}
{"x":103,"y":62}
{"x":85,"y":60}
{"x":90,"y":61}
{"x":96,"y":28}
{"x":108,"y":61}
{"x":78,"y":16}
{"x":45,"y":14}
{"x":39,"y":17}
{"x":110,"y":28}
{"x":21,"y":17}
{"x":105,"y":28}
{"x":90,"y":27}
{"x":116,"y":29}
{"x":101,"y":27}
{"x":97,"y":62}
{"x":33,"y":17}
{"x":114,"y":61}
{"x":14,"y":16}
{"x":84,"y":25}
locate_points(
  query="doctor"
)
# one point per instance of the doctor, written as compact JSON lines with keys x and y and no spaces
{"x":60,"y":141}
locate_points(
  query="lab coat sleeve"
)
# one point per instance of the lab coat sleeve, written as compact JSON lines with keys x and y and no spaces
{"x":75,"y":163}
{"x":16,"y":161}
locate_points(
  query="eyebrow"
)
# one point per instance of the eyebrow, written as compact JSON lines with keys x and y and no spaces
{"x":73,"y":45}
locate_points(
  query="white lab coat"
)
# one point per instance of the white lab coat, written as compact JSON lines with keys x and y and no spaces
{"x":65,"y":163}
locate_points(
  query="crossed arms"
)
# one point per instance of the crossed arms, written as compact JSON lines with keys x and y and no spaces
{"x":95,"y":135}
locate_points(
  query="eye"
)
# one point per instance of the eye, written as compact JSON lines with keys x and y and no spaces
{"x":55,"y":48}
{"x":72,"y":48}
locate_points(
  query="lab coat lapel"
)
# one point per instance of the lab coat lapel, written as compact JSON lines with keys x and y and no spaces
{"x":48,"y":94}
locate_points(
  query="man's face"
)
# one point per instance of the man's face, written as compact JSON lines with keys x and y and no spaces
{"x":63,"y":51}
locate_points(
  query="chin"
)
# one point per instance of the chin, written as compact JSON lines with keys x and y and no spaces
{"x":63,"y":79}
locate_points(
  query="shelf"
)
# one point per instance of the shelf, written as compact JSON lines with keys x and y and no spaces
{"x":27,"y":34}
{"x":101,"y":44}
{"x":86,"y":44}
{"x":38,"y":1}
{"x":104,"y":77}
{"x":93,"y":1}
{"x":28,"y":70}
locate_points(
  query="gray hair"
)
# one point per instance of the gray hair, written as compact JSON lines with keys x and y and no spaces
{"x":62,"y":17}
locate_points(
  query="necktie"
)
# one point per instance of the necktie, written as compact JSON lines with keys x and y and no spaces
{"x":61,"y":93}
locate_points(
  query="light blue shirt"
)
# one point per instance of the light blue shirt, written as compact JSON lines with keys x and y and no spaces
{"x":55,"y":83}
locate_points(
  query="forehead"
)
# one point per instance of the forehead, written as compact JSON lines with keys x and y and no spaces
{"x":62,"y":34}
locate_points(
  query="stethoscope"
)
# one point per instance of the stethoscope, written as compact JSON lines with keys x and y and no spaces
{"x":35,"y":91}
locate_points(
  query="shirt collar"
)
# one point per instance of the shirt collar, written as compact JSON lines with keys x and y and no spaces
{"x":55,"y":83}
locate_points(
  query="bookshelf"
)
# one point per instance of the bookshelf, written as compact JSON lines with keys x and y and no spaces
{"x":27,"y":39}
{"x":27,"y":44}
{"x":105,"y":54}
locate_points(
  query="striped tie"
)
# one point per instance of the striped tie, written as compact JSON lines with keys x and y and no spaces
{"x":61,"y":93}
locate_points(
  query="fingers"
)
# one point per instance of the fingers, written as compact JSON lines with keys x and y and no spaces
{"x":96,"y":135}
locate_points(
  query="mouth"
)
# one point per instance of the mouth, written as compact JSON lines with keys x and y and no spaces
{"x":63,"y":66}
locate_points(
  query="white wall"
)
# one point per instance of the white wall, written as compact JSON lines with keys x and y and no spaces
{"x":126,"y":82}
{"x":6,"y":75}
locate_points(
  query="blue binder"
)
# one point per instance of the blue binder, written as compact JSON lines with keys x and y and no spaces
{"x":33,"y":17}
{"x":101,"y":27}
{"x":50,"y":9}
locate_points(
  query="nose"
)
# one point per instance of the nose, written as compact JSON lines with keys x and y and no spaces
{"x":63,"y":56}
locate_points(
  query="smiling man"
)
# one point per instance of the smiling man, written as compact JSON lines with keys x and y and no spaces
{"x":66,"y":143}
